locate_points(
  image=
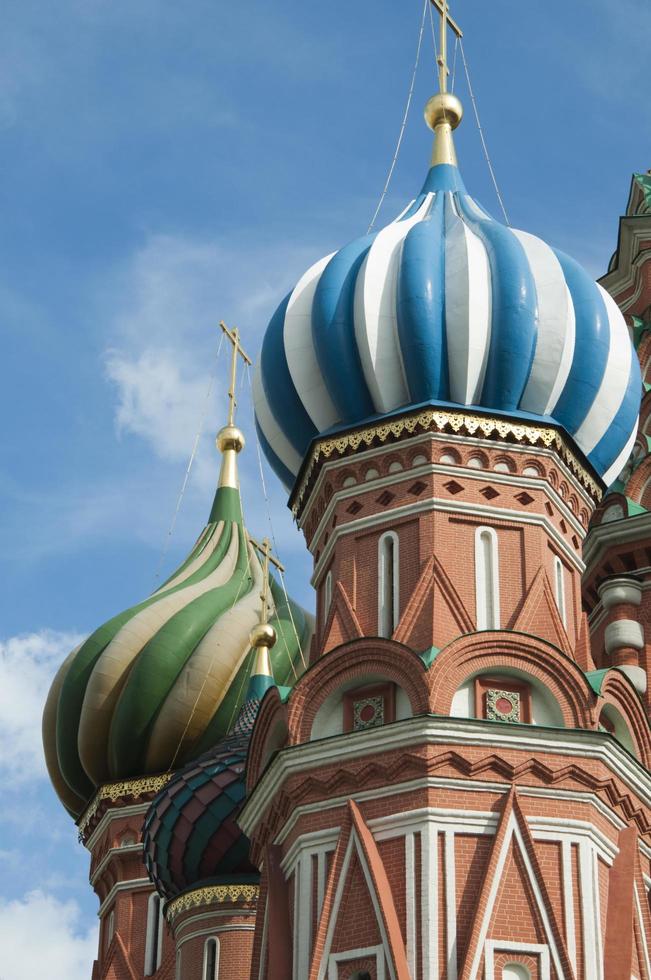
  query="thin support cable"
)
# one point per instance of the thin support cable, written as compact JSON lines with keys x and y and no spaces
{"x":433,"y":30}
{"x":188,"y":469}
{"x":273,"y":536}
{"x":454,"y":62}
{"x":481,"y":133}
{"x":404,"y":120}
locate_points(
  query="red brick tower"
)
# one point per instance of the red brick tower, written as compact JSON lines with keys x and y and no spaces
{"x":459,"y":785}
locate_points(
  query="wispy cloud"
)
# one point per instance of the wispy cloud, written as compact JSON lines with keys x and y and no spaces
{"x":40,"y":935}
{"x":27,"y":666}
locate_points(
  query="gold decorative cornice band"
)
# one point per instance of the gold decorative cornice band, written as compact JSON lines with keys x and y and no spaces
{"x":441,"y":420}
{"x":211,"y":895}
{"x":118,"y":791}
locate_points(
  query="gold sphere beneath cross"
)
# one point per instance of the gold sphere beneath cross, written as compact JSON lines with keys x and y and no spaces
{"x":262,"y":635}
{"x":230,"y":437}
{"x":443,"y":108}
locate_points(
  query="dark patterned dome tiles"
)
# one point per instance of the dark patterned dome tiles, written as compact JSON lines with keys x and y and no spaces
{"x":190,"y":831}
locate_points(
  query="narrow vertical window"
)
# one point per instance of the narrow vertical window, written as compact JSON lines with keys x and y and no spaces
{"x":110,"y":928}
{"x":327,"y":595}
{"x":388,"y":584}
{"x":487,"y":583}
{"x":154,"y":935}
{"x":211,"y":959}
{"x":178,"y":965}
{"x":559,"y":585}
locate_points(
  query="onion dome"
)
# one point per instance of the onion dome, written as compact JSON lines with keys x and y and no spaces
{"x":161,"y":682}
{"x":447,"y":305}
{"x":190,"y":833}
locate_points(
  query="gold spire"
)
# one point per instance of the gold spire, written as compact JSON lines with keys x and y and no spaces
{"x":263,"y":636}
{"x":230,"y":440}
{"x":444,"y":111}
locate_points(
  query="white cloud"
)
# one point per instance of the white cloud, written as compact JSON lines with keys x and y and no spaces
{"x":27,"y":666}
{"x":40,"y":935}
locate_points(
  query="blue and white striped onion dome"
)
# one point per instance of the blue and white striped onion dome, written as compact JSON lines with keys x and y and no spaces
{"x":446,"y":305}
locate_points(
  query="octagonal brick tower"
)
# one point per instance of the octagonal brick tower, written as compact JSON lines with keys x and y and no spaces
{"x":452,"y":789}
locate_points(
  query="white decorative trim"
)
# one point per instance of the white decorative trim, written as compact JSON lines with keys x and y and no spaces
{"x":615,"y":591}
{"x":114,"y":813}
{"x":314,"y":842}
{"x":410,"y":901}
{"x":516,"y":480}
{"x":135,"y":884}
{"x":205,"y":958}
{"x":568,"y":899}
{"x":623,"y":633}
{"x":590,"y":928}
{"x":602,"y":536}
{"x":450,"y":905}
{"x":326,"y":960}
{"x":482,"y":512}
{"x":112,"y":852}
{"x":487,"y":579}
{"x":210,"y":930}
{"x":506,"y":946}
{"x":429,"y":889}
{"x":303,"y":914}
{"x":354,"y":954}
{"x":513,"y":833}
{"x":432,"y":730}
{"x":179,"y":931}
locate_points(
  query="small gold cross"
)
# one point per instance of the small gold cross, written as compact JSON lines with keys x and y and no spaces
{"x":234,"y":337}
{"x":264,"y":550}
{"x":443,"y":7}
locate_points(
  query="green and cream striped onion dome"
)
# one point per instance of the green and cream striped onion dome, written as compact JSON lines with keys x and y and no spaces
{"x":162,"y":682}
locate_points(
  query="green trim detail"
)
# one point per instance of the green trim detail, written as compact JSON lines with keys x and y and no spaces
{"x":595,"y":678}
{"x":429,"y":656}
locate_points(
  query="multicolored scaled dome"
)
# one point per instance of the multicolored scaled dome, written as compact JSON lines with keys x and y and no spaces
{"x":447,"y":305}
{"x":190,"y":832}
{"x":162,"y":682}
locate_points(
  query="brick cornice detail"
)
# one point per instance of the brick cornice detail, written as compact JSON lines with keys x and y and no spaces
{"x":408,"y":765}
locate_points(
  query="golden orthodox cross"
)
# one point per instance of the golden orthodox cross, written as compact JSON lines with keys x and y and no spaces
{"x":443,"y":7}
{"x":234,"y":337}
{"x":264,"y":550}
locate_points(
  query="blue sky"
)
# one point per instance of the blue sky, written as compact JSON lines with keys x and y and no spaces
{"x":164,"y":165}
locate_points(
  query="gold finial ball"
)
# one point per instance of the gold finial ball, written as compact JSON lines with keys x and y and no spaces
{"x":262,"y":635}
{"x":441,"y":108}
{"x":230,"y":437}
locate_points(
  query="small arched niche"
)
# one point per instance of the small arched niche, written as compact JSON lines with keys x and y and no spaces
{"x":515,"y":971}
{"x":488,"y":694}
{"x":360,"y":703}
{"x":611,"y":720}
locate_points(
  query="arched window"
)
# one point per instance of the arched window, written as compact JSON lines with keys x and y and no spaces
{"x":110,"y":928}
{"x":211,"y":959}
{"x":327,"y":595}
{"x":388,"y":584}
{"x":487,"y":579}
{"x":559,"y":588}
{"x":154,"y":935}
{"x":177,"y":975}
